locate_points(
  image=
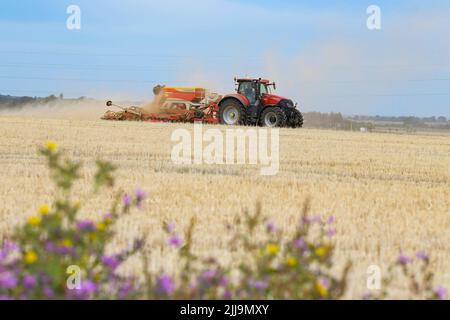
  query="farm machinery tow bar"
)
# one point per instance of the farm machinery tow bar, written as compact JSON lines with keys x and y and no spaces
{"x":110,"y":103}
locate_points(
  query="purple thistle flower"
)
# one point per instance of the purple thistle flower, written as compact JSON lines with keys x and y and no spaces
{"x":65,"y":250}
{"x":10,"y":246}
{"x":311,"y":219}
{"x":126,"y":200}
{"x":331,"y":220}
{"x":140,"y":194}
{"x":224,"y":281}
{"x":50,"y":246}
{"x":111,"y":262}
{"x":325,"y":282}
{"x":7,"y":248}
{"x":88,"y":287}
{"x":175,"y":241}
{"x":49,"y":292}
{"x":260,"y":285}
{"x":306,"y":220}
{"x":86,"y":225}
{"x":7,"y":280}
{"x":170,"y":227}
{"x":271,"y":227}
{"x":441,"y":293}
{"x":166,"y":284}
{"x":85,"y":291}
{"x":29,"y":281}
{"x":331,"y":232}
{"x":300,"y":244}
{"x":422,"y":255}
{"x":208,"y":275}
{"x":125,"y":290}
{"x":404,"y":259}
{"x":108,"y":215}
{"x":45,"y":279}
{"x":227,"y":295}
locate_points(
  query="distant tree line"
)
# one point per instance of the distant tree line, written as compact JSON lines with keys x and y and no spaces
{"x":356,"y":123}
{"x":335,"y":121}
{"x":7,"y":101}
{"x":410,"y":120}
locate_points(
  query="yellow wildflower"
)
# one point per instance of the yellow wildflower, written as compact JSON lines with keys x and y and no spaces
{"x":272,"y":248}
{"x":92,"y":237}
{"x":291,"y":261}
{"x":321,"y":289}
{"x":101,"y":226}
{"x":52,"y":146}
{"x":321,"y":251}
{"x":67,"y":243}
{"x":85,"y":258}
{"x":30,"y":257}
{"x":77,"y":204}
{"x":34,"y":221}
{"x":44,"y":210}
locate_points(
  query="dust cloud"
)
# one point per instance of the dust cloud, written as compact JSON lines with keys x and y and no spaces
{"x":85,"y":109}
{"x":76,"y":110}
{"x":154,"y":106}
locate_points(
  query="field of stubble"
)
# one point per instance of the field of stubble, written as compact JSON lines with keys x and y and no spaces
{"x":390,"y":193}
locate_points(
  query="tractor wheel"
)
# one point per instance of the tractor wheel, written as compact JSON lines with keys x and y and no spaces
{"x":273,"y":117}
{"x":232,"y":113}
{"x":296,"y":119}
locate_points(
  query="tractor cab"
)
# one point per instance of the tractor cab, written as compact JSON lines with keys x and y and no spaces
{"x":253,"y":89}
{"x":256,"y":91}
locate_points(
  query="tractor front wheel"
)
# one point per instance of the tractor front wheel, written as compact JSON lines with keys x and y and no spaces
{"x":231,"y":112}
{"x":273,"y":117}
{"x":296,"y":119}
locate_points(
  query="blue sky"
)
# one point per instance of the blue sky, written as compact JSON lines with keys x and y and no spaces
{"x":320,"y":53}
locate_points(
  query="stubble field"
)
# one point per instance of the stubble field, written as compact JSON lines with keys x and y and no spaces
{"x":389,"y":193}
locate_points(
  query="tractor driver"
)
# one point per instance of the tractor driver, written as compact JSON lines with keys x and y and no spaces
{"x":249,"y":90}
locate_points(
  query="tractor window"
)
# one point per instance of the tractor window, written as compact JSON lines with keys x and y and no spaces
{"x":248,"y":89}
{"x":263,"y":88}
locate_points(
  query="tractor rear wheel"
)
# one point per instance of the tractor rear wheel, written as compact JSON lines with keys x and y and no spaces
{"x":273,"y":117}
{"x":296,"y":119}
{"x":231,"y":112}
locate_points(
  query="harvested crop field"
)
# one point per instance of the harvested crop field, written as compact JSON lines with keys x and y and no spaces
{"x":389,"y":193}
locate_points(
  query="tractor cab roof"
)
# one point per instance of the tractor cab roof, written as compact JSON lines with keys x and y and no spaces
{"x":253,"y":79}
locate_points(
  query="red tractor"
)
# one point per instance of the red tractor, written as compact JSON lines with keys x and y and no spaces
{"x":254,"y":104}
